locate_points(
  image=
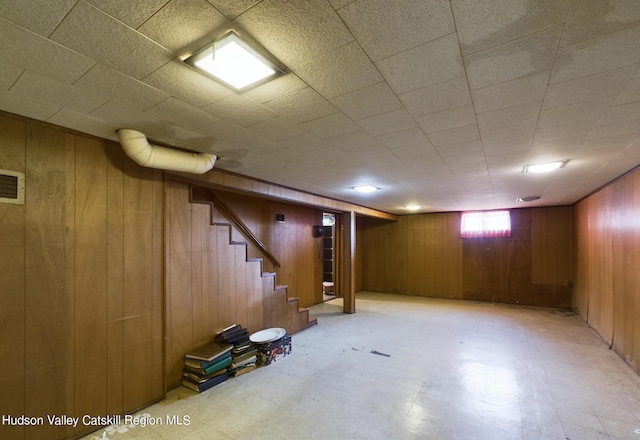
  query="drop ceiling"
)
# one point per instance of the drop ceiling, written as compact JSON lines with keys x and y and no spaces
{"x":437,"y":103}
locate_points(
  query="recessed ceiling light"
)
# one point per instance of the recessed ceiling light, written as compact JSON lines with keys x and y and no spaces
{"x":366,"y":188}
{"x":413,"y":207}
{"x":528,"y":199}
{"x":544,"y":167}
{"x":234,"y":62}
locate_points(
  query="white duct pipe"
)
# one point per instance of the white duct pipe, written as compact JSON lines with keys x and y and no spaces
{"x":136,"y":146}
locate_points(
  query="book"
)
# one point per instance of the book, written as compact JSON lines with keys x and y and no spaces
{"x":244,"y":356}
{"x":198,"y":369}
{"x":194,"y":363}
{"x":199,"y":378}
{"x":200,"y":387}
{"x":250,"y":360}
{"x":209,"y":351}
{"x":233,"y":336}
{"x":243,"y":369}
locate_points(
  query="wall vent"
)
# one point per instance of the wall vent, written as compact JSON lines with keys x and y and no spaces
{"x":279,"y":217}
{"x":11,"y":187}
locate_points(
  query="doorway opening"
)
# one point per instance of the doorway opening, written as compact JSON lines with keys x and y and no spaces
{"x":328,"y":256}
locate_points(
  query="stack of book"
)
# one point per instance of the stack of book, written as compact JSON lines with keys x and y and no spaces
{"x":233,"y":335}
{"x":243,"y":353}
{"x":207,"y":366}
{"x":244,"y":358}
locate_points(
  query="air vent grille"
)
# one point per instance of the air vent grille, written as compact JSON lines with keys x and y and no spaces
{"x":279,"y":217}
{"x":11,"y":187}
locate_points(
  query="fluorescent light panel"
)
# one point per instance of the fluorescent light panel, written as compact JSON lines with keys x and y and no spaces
{"x":544,"y":167}
{"x":232,"y":61}
{"x":365,"y":188}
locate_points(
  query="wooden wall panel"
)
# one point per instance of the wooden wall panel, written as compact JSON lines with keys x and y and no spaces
{"x":424,"y":255}
{"x":138,"y":293}
{"x":580,"y":300}
{"x":601,"y":306}
{"x":608,"y":257}
{"x":626,"y":277}
{"x":552,"y":245}
{"x":115,"y":280}
{"x":49,"y":274}
{"x":90,"y":362}
{"x":12,"y":280}
{"x":85,"y":275}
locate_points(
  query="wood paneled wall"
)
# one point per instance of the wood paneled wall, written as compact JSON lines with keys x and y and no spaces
{"x":607,"y":290}
{"x":424,"y":255}
{"x":81,"y":307}
{"x":210,"y":285}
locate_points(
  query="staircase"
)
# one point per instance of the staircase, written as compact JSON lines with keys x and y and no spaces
{"x":279,"y":309}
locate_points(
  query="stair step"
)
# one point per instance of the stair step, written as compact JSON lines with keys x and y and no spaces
{"x":292,"y":299}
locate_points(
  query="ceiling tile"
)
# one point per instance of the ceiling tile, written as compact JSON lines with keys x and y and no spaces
{"x":444,"y":120}
{"x":597,"y":55}
{"x":526,"y":56}
{"x":460,"y":149}
{"x":412,"y":150}
{"x":39,"y":16}
{"x":41,"y":88}
{"x":93,"y":126}
{"x":276,"y":88}
{"x":31,"y":108}
{"x":589,"y":112}
{"x":233,"y":8}
{"x":31,"y":51}
{"x":524,"y":114}
{"x":124,"y":116}
{"x":295,"y":32}
{"x":276,"y":129}
{"x":181,"y":114}
{"x":181,"y":81}
{"x":126,"y":50}
{"x":631,"y":92}
{"x":180,"y":23}
{"x":614,"y":129}
{"x":422,"y":66}
{"x":590,"y":19}
{"x":330,"y":126}
{"x":620,"y":113}
{"x":357,"y":139}
{"x":340,"y":71}
{"x":438,"y":97}
{"x":563,"y":130}
{"x":510,"y":93}
{"x":368,"y":101}
{"x":587,"y":88}
{"x":520,"y":135}
{"x":240,"y":110}
{"x":405,"y":25}
{"x":458,"y":135}
{"x":226,"y":131}
{"x":9,"y":73}
{"x":388,"y":123}
{"x":302,"y":106}
{"x":105,"y":81}
{"x":403,"y":137}
{"x":482,"y":25}
{"x":307,"y":142}
{"x":132,"y":14}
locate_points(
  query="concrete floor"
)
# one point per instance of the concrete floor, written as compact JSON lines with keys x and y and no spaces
{"x":407,"y":367}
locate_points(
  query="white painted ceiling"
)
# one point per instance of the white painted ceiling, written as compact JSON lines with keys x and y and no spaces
{"x":439,"y":103}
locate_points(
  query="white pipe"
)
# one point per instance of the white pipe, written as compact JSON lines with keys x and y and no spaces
{"x":136,"y":146}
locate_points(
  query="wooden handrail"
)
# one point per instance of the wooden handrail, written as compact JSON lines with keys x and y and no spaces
{"x":244,"y":229}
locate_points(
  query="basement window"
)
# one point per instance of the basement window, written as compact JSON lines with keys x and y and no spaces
{"x":485,"y":224}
